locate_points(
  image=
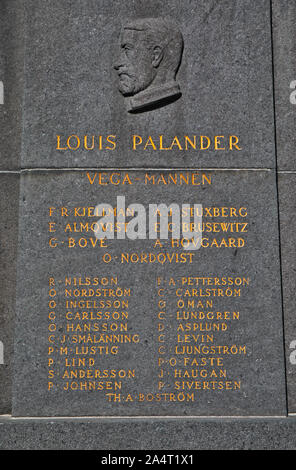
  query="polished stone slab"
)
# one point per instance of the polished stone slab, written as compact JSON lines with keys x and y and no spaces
{"x":9,"y":201}
{"x":146,"y":434}
{"x":284,"y":47}
{"x":163,"y":364}
{"x":225,"y":78}
{"x":11,"y":76}
{"x":287,"y":206}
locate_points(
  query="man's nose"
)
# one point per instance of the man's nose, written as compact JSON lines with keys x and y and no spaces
{"x":119,"y":61}
{"x":118,"y":64}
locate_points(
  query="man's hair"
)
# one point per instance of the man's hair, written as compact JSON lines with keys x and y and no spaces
{"x":164,"y":33}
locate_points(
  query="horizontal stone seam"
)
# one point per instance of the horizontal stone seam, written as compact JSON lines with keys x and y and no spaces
{"x":200,"y":417}
{"x":28,"y":170}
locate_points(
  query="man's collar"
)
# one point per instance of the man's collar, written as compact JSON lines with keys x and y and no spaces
{"x":153,"y":96}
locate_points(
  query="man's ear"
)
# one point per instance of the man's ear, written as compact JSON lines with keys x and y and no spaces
{"x":157,"y":56}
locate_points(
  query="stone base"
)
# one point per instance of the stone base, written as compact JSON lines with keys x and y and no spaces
{"x":141,"y":433}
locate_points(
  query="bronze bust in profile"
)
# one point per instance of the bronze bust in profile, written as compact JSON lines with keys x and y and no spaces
{"x":150,"y":56}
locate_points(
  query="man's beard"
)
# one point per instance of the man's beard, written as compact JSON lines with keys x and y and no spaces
{"x":130,"y":85}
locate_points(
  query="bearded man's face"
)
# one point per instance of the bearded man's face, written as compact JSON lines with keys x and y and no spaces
{"x":134,"y":67}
